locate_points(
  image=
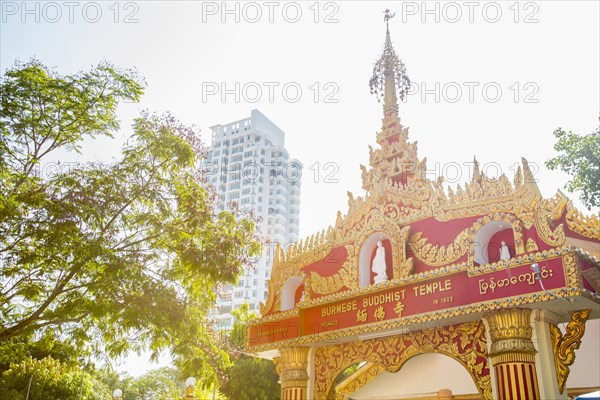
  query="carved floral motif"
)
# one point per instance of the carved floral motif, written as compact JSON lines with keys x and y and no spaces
{"x":565,"y":345}
{"x":465,"y":343}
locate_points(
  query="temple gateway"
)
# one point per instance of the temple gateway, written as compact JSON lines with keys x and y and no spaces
{"x":418,"y":291}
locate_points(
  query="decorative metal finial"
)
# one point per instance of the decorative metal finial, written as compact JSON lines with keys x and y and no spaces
{"x":389,"y":68}
{"x":388,"y":16}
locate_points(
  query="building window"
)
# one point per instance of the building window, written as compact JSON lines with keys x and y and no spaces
{"x":226,"y":297}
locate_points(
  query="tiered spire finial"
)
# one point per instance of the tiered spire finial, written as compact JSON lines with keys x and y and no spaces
{"x":397,"y":160}
{"x":389,"y":73}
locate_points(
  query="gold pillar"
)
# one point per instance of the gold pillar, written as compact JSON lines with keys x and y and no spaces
{"x":292,"y":367}
{"x":512,"y":354}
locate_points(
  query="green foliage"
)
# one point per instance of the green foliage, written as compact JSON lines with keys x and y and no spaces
{"x":17,"y":349}
{"x":239,"y":331}
{"x":579,"y":157}
{"x":252,"y":378}
{"x":50,"y":379}
{"x":249,"y":377}
{"x":119,"y":256}
{"x":157,"y":384}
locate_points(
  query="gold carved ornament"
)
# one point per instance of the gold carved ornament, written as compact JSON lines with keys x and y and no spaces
{"x":572,"y":270}
{"x":347,"y":277}
{"x":436,"y":255}
{"x":531,"y":246}
{"x":511,"y":333}
{"x":292,"y":366}
{"x":565,"y":345}
{"x":588,"y":226}
{"x":488,"y":195}
{"x":511,"y":219}
{"x":466,"y":343}
{"x":544,"y":214}
{"x":289,"y":263}
{"x":360,"y":378}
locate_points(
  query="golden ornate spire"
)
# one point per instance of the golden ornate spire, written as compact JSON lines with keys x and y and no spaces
{"x":397,"y":160}
{"x":476,"y":174}
{"x":389,"y":73}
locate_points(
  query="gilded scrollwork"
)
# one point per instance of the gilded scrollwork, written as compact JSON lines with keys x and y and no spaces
{"x":511,"y":219}
{"x":347,"y":277}
{"x":361,"y":377}
{"x":510,"y":332}
{"x":565,"y":345}
{"x":289,"y":263}
{"x":572,"y":272}
{"x":543,"y":219}
{"x":489,"y":195}
{"x":585,"y":225}
{"x":531,"y":246}
{"x":466,"y":343}
{"x":378,"y":220}
{"x":435,"y":255}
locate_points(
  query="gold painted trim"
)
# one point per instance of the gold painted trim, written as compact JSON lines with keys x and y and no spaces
{"x":360,"y":378}
{"x":565,"y":345}
{"x":465,"y":343}
{"x":420,"y":321}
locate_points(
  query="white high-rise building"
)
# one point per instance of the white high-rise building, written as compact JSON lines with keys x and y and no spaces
{"x":250,"y":165}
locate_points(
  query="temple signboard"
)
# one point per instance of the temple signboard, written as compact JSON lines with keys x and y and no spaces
{"x":392,"y":302}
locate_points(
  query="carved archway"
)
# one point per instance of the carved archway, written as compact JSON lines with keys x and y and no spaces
{"x":421,"y":374}
{"x":288,"y":292}
{"x":465,"y":343}
{"x":377,"y":223}
{"x":484,"y":228}
{"x":365,"y":257}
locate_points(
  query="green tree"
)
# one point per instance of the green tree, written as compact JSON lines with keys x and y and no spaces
{"x":249,"y":378}
{"x":579,"y":157}
{"x":158,"y":384}
{"x":49,"y":379}
{"x":116,"y":256}
{"x":242,"y":318}
{"x":252,"y":378}
{"x":17,"y":349}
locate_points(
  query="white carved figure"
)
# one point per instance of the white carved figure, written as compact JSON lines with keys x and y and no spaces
{"x":379,"y":266}
{"x":504,"y":252}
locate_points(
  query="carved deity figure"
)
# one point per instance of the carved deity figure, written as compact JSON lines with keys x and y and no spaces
{"x":379,"y":266}
{"x":504,"y":251}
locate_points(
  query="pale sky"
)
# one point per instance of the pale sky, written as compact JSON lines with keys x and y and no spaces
{"x":497,"y":77}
